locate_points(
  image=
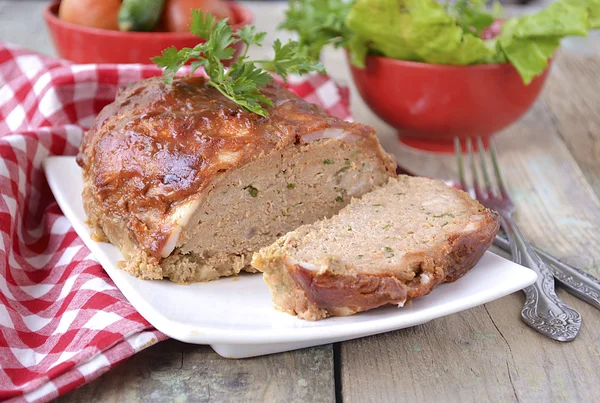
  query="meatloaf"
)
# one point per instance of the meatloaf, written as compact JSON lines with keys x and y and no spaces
{"x":392,"y":245}
{"x":188,"y":184}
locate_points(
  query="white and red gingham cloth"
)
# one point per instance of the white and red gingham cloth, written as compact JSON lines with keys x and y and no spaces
{"x":62,"y":320}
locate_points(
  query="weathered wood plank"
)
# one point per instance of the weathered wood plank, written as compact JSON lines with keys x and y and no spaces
{"x":484,"y":354}
{"x":177,"y":372}
{"x":457,"y":358}
{"x":557,"y":207}
{"x":488,"y":353}
{"x":572,"y":99}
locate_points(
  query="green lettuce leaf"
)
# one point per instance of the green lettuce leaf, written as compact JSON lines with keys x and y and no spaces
{"x":378,"y":22}
{"x":559,"y":19}
{"x":427,"y":31}
{"x":593,"y":8}
{"x":420,"y":30}
{"x":433,"y":34}
{"x":358,"y":49}
{"x":528,"y":56}
{"x":528,"y":42}
{"x":473,"y":16}
{"x":498,"y":55}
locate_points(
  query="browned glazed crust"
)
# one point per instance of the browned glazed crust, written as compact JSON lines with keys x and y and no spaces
{"x":466,"y":249}
{"x":343,"y":294}
{"x":158,"y":145}
{"x":361,"y":292}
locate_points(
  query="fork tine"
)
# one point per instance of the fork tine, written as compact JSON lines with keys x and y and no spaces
{"x":486,"y":177}
{"x":459,"y":162}
{"x":478,"y":194}
{"x":496,"y":164}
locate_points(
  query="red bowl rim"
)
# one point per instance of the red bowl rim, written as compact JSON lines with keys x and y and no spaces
{"x":433,"y":66}
{"x":51,"y":17}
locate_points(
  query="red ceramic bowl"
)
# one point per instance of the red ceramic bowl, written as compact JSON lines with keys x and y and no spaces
{"x":92,"y":45}
{"x":431,"y":104}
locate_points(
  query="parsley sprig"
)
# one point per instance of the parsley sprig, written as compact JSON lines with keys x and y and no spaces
{"x":318,"y":23}
{"x":242,"y":81}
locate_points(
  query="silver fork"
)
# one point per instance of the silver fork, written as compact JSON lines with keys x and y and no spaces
{"x":543,"y":310}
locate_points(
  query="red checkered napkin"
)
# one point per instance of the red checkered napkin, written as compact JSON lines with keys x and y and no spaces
{"x":62,"y":320}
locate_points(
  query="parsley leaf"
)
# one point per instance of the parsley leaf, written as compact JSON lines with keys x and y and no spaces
{"x":249,"y":36}
{"x":171,"y":60}
{"x":289,"y":59}
{"x":240,"y":83}
{"x":318,"y":23}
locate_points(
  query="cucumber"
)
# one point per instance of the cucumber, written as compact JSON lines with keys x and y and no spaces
{"x":140,"y":15}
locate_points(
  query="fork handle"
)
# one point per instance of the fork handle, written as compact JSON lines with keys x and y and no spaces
{"x":543,"y":310}
{"x":575,"y":281}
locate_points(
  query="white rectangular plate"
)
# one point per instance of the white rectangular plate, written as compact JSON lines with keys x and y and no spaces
{"x":235,"y":315}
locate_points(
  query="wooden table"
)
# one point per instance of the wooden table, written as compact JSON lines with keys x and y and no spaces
{"x":552,"y":163}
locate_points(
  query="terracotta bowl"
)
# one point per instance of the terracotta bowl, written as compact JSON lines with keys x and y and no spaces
{"x":431,"y":104}
{"x":82,"y":44}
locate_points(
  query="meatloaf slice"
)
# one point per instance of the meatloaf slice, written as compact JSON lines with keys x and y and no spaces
{"x":188,"y":184}
{"x":392,"y":245}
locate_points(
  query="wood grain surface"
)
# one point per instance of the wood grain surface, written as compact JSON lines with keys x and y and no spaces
{"x":177,"y":372}
{"x":551,"y":160}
